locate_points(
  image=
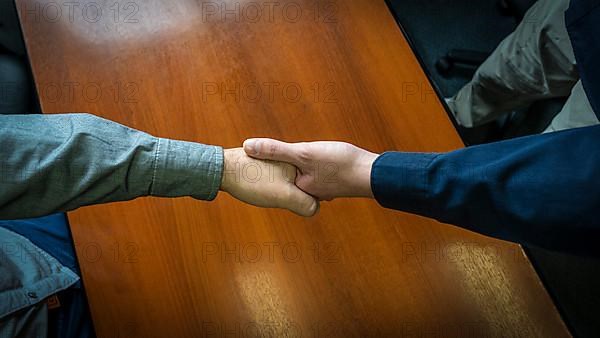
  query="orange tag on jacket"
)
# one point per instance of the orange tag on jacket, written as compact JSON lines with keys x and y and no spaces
{"x":52,"y":302}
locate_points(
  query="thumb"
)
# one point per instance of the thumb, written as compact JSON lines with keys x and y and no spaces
{"x":269,"y":149}
{"x":300,"y":202}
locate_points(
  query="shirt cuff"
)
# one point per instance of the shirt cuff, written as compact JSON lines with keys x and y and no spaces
{"x":186,"y":169}
{"x":400,"y":181}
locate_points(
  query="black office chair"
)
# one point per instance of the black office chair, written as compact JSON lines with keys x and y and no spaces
{"x":471,"y":58}
{"x":533,"y":120}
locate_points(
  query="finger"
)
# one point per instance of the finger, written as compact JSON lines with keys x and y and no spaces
{"x":301,"y":203}
{"x":269,"y":149}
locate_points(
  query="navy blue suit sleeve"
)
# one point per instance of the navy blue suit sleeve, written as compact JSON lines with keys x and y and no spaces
{"x":542,"y":189}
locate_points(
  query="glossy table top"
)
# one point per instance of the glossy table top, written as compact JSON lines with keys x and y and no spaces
{"x":218,"y":73}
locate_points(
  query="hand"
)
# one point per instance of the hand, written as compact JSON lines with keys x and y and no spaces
{"x":326,"y":170}
{"x":264,"y":183}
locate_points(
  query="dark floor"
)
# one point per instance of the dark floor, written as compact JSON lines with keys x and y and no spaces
{"x":435,"y":26}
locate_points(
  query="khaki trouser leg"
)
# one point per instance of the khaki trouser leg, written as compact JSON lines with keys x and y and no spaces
{"x":577,"y":112}
{"x":536,"y":61}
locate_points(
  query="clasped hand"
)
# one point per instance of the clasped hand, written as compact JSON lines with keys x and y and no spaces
{"x":296,"y":176}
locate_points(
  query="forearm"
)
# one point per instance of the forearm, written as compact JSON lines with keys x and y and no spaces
{"x":542,"y":189}
{"x":61,"y":162}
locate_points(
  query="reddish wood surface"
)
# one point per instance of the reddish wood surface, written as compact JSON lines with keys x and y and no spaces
{"x":337,"y":70}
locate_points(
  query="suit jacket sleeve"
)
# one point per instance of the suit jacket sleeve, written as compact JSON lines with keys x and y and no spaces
{"x":542,"y":189}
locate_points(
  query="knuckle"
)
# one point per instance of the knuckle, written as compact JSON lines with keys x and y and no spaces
{"x":272,"y":149}
{"x":304,"y":154}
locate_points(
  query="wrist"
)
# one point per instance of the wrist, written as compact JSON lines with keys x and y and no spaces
{"x":230,"y":157}
{"x":362,"y":173}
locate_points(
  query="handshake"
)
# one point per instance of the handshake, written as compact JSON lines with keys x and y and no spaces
{"x":296,"y":176}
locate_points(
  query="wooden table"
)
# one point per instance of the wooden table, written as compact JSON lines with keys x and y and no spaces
{"x":220,"y":72}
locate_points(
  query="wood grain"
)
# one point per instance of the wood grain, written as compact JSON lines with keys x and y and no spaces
{"x":218,"y":73}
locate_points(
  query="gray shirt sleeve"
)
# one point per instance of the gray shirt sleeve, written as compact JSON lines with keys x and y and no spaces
{"x":51,"y":163}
